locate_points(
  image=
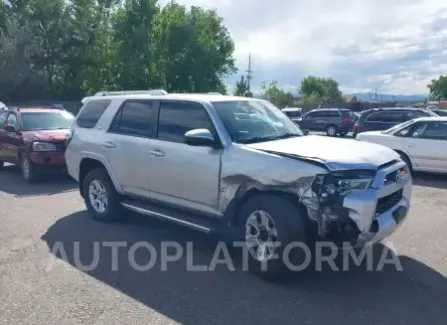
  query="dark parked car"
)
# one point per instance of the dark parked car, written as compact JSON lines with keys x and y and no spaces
{"x":34,"y":138}
{"x":377,"y":119}
{"x":294,"y":113}
{"x":440,"y":111}
{"x":332,"y":120}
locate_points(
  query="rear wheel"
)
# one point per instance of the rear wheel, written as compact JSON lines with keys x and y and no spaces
{"x":269,"y":224}
{"x":100,"y":196}
{"x":331,"y":130}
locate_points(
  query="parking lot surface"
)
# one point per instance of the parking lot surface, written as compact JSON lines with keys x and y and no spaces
{"x":41,"y":286}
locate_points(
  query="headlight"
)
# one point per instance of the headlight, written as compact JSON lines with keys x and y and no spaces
{"x":43,"y":146}
{"x":352,"y":180}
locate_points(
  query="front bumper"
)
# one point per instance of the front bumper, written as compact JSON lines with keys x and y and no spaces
{"x":375,"y":226}
{"x":48,"y":160}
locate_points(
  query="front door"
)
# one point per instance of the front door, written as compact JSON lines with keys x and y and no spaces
{"x":427,"y":145}
{"x":181,"y":174}
{"x":12,"y":140}
{"x":3,"y":117}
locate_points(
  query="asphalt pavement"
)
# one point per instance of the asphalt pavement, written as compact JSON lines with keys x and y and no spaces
{"x":41,"y":282}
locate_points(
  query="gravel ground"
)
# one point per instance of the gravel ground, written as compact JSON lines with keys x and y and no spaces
{"x":39,"y":285}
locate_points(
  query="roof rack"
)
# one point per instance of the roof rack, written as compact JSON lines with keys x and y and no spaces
{"x":154,"y":92}
{"x":17,"y":108}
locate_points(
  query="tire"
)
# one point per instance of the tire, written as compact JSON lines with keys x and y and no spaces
{"x":331,"y":130}
{"x":407,"y":160}
{"x":110,"y":209}
{"x":29,"y":171}
{"x":288,"y":223}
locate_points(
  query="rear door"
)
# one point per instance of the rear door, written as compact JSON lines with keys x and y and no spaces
{"x":127,"y":145}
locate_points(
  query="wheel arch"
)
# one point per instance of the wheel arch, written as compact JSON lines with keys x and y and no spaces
{"x":402,"y":153}
{"x":88,"y":164}
{"x":292,"y":198}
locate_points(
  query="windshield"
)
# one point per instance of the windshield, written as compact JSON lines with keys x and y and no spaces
{"x":398,"y":126}
{"x":33,"y":121}
{"x":250,"y":121}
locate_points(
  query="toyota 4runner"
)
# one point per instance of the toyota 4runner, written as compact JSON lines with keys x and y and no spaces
{"x":233,"y":166}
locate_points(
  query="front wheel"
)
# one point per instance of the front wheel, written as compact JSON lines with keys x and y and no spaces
{"x":29,"y":172}
{"x":100,"y":196}
{"x":331,"y":130}
{"x":270,"y":224}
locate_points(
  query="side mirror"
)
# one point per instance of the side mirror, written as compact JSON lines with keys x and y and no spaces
{"x":305,"y":132}
{"x":10,"y":128}
{"x":199,"y":138}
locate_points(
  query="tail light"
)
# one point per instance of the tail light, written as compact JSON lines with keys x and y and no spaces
{"x":356,"y":127}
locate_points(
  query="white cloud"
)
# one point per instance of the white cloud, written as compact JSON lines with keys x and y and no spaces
{"x":396,"y":46}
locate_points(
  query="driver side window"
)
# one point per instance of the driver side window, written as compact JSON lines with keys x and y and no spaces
{"x":406,"y":132}
{"x":12,"y":119}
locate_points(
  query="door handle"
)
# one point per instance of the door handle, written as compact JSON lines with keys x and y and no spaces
{"x":156,"y":153}
{"x":108,"y":144}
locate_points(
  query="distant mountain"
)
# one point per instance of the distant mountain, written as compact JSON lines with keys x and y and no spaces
{"x":388,"y":97}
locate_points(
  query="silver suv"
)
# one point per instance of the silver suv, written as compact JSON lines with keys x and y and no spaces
{"x":233,"y":166}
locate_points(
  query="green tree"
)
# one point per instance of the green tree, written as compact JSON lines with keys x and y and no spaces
{"x":438,"y":88}
{"x":241,"y":87}
{"x":57,"y":49}
{"x":278,"y":96}
{"x":320,"y":90}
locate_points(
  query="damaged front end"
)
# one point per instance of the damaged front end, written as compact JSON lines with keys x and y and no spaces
{"x":324,"y":195}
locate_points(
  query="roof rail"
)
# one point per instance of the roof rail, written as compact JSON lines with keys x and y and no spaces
{"x":154,"y":92}
{"x":55,"y":106}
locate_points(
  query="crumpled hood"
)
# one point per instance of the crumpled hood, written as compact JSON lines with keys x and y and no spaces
{"x":335,"y":153}
{"x":46,"y":135}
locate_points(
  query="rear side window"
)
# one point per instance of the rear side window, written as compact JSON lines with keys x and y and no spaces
{"x":92,"y":112}
{"x":135,"y":118}
{"x":3,"y":119}
{"x":176,"y":118}
{"x":388,"y":117}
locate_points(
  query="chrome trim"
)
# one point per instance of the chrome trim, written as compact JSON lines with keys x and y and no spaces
{"x":164,"y":216}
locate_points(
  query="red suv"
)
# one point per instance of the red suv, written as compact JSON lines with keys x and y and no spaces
{"x":34,"y":138}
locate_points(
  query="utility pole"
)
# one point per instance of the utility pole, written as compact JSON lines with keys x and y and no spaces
{"x":375,"y":96}
{"x":249,"y":72}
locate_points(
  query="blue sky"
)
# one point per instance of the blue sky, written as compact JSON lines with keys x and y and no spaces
{"x":396,"y":46}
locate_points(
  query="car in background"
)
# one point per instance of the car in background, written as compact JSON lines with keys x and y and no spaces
{"x":331,"y":120}
{"x":379,"y":119}
{"x":439,"y":111}
{"x":34,"y":138}
{"x":2,"y":106}
{"x":294,"y":113}
{"x":421,"y":142}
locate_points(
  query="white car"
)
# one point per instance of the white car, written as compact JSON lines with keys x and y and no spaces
{"x":422,"y":142}
{"x":2,"y":106}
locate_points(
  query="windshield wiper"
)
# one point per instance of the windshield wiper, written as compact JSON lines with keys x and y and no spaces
{"x":271,"y":138}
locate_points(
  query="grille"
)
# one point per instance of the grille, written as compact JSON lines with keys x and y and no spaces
{"x":387,"y":202}
{"x":60,"y":146}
